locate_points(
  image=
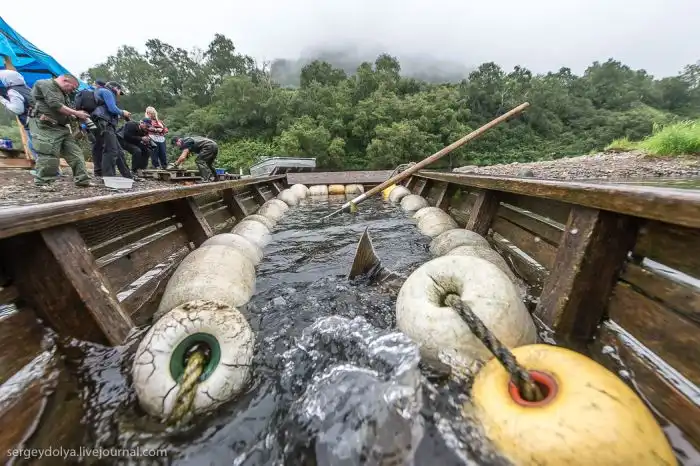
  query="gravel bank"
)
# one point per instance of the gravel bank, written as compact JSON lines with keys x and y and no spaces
{"x":602,"y":166}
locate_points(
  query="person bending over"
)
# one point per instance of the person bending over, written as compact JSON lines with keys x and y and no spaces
{"x":206,"y":151}
{"x":133,"y":137}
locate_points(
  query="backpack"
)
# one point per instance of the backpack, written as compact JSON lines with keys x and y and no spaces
{"x":87,"y":100}
{"x":24,"y":91}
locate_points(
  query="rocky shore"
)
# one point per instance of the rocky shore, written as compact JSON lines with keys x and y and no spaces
{"x":601,"y":166}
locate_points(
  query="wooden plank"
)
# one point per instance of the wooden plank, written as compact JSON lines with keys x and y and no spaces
{"x":100,"y":231}
{"x":274,"y":189}
{"x":591,"y":254}
{"x":132,"y":237}
{"x":663,"y":394}
{"x":548,"y":231}
{"x":533,"y":275}
{"x":444,"y":198}
{"x":541,"y":251}
{"x":673,"y":337}
{"x":682,"y":298}
{"x":130,"y":264}
{"x":207,"y":198}
{"x":235,"y":206}
{"x":672,"y":205}
{"x":16,"y":220}
{"x":219,"y":216}
{"x":16,"y":163}
{"x":344,"y":177}
{"x":21,"y":338}
{"x":483,"y":212}
{"x":258,"y":195}
{"x":206,"y":208}
{"x":279,"y":187}
{"x":248,"y":204}
{"x":193,"y":222}
{"x":423,"y":187}
{"x":671,"y":246}
{"x":58,"y":277}
{"x":554,"y":210}
{"x":143,"y":302}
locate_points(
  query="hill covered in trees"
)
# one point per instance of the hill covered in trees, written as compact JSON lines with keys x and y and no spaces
{"x":374,"y":116}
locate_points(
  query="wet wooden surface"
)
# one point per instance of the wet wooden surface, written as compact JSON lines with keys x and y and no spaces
{"x":543,"y":252}
{"x":546,"y":230}
{"x":16,"y":220}
{"x":677,"y":206}
{"x":193,"y":222}
{"x":671,"y":245}
{"x":353,"y":177}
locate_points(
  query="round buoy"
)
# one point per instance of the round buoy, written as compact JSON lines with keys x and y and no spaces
{"x":485,"y":253}
{"x":336,"y":189}
{"x":319,"y":191}
{"x":433,"y":224}
{"x":239,"y":243}
{"x":288,"y":197}
{"x":269,"y":223}
{"x":387,"y":191}
{"x":215,"y":272}
{"x":354,"y":189}
{"x":398,"y":193}
{"x":273,"y":209}
{"x":219,"y":331}
{"x":427,"y":210}
{"x":254,"y":231}
{"x":588,"y":415}
{"x":300,"y":190}
{"x":422,"y":315}
{"x":447,"y":241}
{"x":413,"y":202}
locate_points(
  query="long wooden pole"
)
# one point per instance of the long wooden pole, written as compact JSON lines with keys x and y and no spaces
{"x":433,"y":158}
{"x":22,"y":131}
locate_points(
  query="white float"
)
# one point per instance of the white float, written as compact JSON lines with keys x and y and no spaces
{"x":288,"y":197}
{"x":447,"y":241}
{"x":254,"y":231}
{"x":413,"y":202}
{"x":216,"y":272}
{"x":320,"y":190}
{"x":421,"y":314}
{"x":160,"y":357}
{"x":354,"y":189}
{"x":398,"y":193}
{"x":273,"y":209}
{"x":300,"y":190}
{"x":268,"y":222}
{"x":433,"y":224}
{"x":427,"y":210}
{"x":238,"y":242}
{"x":486,"y":253}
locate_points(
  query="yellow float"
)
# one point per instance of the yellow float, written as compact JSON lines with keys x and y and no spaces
{"x":588,"y":415}
{"x":387,"y":191}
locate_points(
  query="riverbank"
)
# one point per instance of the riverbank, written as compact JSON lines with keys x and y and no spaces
{"x":601,"y":166}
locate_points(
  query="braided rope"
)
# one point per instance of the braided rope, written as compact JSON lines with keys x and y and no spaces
{"x":519,"y":376}
{"x":188,"y":388}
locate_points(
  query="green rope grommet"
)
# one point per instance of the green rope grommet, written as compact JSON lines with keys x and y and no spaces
{"x":178,"y":359}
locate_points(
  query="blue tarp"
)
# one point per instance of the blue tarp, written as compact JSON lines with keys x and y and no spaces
{"x":32,"y":63}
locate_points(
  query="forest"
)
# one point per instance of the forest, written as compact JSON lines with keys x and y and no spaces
{"x":376,"y":117}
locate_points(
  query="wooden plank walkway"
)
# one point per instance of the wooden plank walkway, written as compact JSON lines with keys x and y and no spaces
{"x":359,"y":177}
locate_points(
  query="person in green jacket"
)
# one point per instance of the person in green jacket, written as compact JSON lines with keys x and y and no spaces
{"x":206,"y":151}
{"x":51,"y":132}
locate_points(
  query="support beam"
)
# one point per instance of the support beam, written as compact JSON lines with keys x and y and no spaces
{"x":234,"y":206}
{"x":192,"y":219}
{"x":424,"y":187}
{"x":258,"y":195}
{"x":57,"y":276}
{"x":591,"y":254}
{"x":274,"y":188}
{"x":443,"y":199}
{"x":483,"y":212}
{"x":411,"y":183}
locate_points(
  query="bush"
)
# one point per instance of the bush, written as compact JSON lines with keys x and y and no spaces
{"x":676,"y":139}
{"x":622,"y":145}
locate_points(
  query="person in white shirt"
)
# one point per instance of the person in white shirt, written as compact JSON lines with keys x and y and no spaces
{"x":16,"y":97}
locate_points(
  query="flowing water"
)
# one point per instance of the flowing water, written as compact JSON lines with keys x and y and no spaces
{"x":333,"y":382}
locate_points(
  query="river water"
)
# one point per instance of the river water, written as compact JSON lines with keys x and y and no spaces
{"x":333,"y":382}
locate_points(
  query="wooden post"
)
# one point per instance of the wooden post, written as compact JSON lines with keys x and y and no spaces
{"x":591,"y":253}
{"x":22,"y":131}
{"x":235,"y":206}
{"x":425,"y":187}
{"x":258,"y":195}
{"x":57,"y":276}
{"x":274,"y":188}
{"x":193,"y":222}
{"x":483,"y":212}
{"x":445,"y":196}
{"x":411,"y":183}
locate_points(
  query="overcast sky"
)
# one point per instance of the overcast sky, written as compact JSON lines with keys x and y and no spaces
{"x":660,"y":36}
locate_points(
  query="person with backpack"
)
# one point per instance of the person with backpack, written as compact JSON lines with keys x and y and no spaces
{"x":16,"y":97}
{"x":102,"y":106}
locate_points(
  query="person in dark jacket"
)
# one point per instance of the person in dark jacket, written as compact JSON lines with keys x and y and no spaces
{"x":206,"y":151}
{"x":133,"y":137}
{"x":107,"y":152}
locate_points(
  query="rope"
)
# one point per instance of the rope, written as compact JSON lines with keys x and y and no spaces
{"x":401,"y":168}
{"x":518,"y":375}
{"x":188,"y":387}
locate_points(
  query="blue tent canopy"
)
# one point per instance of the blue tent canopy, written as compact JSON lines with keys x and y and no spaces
{"x":30,"y":62}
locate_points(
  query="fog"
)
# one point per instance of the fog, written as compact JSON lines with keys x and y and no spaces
{"x":451,"y":36}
